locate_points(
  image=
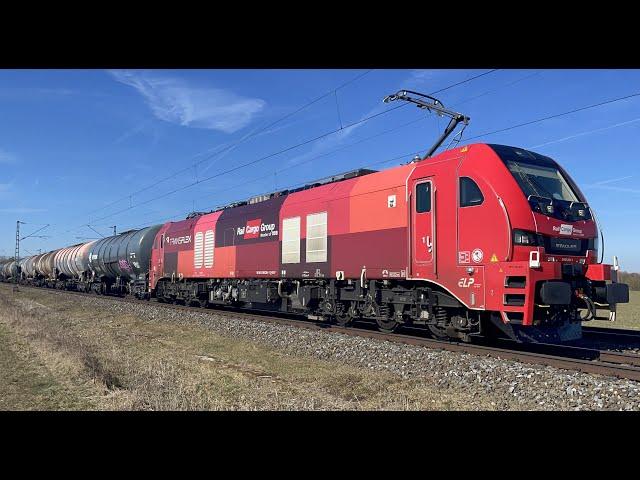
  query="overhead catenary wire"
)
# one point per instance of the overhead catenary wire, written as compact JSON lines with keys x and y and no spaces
{"x":557,"y":115}
{"x":272,"y":124}
{"x":464,"y":81}
{"x":297,"y":164}
{"x":239,"y":142}
{"x":247,"y":164}
{"x":587,"y":132}
{"x":493,"y":90}
{"x":535,"y":121}
{"x":256,"y":132}
{"x":95,"y":230}
{"x":306,"y":142}
{"x":32,"y":234}
{"x":198,"y":181}
{"x":288,"y":187}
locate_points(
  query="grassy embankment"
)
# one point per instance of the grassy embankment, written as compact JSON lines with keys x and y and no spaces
{"x":55,"y":354}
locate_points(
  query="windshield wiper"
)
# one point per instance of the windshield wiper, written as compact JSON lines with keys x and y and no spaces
{"x":525,"y":177}
{"x":542,"y":187}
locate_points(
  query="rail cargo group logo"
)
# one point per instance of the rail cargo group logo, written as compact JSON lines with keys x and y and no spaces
{"x":568,"y":230}
{"x":256,"y":229}
{"x":251,"y":229}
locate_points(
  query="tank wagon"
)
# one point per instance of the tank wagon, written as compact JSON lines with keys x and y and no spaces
{"x":8,"y":269}
{"x":121,"y":263}
{"x":29,"y":269}
{"x":484,"y":239}
{"x":113,"y":265}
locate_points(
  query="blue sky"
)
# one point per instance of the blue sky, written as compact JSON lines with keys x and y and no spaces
{"x":74,"y":144}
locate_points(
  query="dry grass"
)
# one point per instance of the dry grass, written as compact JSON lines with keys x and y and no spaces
{"x":75,"y":359}
{"x":54,"y":354}
{"x":628,"y":314}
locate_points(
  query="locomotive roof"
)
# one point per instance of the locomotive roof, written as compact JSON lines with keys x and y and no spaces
{"x":505,"y":152}
{"x":267,"y":196}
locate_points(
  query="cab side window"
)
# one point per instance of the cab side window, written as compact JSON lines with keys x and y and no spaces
{"x":470,"y":194}
{"x":423,"y":197}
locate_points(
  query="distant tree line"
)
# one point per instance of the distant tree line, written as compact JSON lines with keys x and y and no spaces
{"x":630,"y":278}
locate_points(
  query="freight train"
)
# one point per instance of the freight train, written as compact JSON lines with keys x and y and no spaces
{"x":480,"y":240}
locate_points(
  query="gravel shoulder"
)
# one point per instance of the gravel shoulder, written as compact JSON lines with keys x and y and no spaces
{"x":141,"y":356}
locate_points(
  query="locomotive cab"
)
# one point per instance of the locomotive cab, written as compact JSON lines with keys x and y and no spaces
{"x":555,"y":240}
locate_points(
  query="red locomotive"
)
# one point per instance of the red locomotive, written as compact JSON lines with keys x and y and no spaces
{"x":478,"y":240}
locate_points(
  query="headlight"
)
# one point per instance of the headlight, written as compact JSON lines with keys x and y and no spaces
{"x":522,"y":237}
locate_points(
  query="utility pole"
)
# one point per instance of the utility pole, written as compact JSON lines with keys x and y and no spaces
{"x":17,"y":252}
{"x":17,"y":255}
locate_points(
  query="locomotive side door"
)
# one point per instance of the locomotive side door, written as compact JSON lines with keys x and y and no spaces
{"x":423,"y":240}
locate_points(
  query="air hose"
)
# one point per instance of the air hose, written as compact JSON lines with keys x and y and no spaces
{"x":590,"y":306}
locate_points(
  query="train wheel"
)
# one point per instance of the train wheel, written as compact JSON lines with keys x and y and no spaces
{"x":343,"y":319}
{"x":387,"y":325}
{"x":437,"y":332}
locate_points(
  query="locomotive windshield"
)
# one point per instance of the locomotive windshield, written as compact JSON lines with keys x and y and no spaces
{"x":541,"y":181}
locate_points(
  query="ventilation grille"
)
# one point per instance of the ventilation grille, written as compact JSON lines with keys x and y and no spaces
{"x":197,"y":251}
{"x":317,"y":237}
{"x":208,"y":248}
{"x":291,"y":240}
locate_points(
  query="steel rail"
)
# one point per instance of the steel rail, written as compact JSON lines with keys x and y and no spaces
{"x":605,"y":332}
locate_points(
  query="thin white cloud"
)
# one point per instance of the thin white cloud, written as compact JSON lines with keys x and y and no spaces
{"x":174,"y":100}
{"x":421,"y":76}
{"x":417,"y":78}
{"x":588,"y":132}
{"x":21,"y":93}
{"x":23,"y":210}
{"x":615,"y":189}
{"x":606,"y":185}
{"x":131,"y":132}
{"x":613,"y":180}
{"x":334,"y":140}
{"x":54,"y":91}
{"x":6,"y":157}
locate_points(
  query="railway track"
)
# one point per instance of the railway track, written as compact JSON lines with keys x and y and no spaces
{"x":612,"y":334}
{"x":568,"y":357}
